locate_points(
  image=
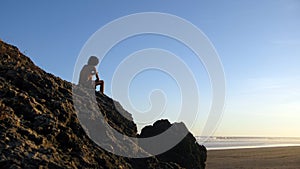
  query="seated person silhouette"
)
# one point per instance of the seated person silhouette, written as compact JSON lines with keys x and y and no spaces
{"x":87,"y":73}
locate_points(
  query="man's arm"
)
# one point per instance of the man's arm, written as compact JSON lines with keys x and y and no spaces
{"x":97,"y":76}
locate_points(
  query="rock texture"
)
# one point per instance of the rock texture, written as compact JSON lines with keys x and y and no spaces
{"x":39,"y":126}
{"x":188,"y":153}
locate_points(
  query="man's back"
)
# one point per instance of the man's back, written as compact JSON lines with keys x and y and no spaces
{"x":86,"y":73}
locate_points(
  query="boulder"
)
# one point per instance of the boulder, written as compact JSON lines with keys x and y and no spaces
{"x":187,"y":153}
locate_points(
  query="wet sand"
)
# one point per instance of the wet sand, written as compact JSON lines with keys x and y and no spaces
{"x":262,"y":158}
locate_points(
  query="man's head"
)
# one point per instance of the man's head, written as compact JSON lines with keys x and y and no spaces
{"x":93,"y":60}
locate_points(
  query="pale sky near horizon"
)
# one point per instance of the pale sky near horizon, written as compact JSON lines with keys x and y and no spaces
{"x":258,"y":43}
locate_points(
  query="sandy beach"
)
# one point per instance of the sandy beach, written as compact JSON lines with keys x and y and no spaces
{"x":262,"y":158}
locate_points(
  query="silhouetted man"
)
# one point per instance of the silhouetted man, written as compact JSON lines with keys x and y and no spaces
{"x":87,"y":73}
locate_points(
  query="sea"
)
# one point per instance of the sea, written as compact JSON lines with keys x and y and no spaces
{"x":223,"y":143}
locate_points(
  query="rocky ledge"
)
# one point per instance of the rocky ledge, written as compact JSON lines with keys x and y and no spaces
{"x":40,"y":127}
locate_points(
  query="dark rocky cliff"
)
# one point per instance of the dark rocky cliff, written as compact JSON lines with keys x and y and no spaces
{"x":188,"y":153}
{"x":39,"y":127}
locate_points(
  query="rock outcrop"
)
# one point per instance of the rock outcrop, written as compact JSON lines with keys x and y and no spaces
{"x":188,"y":153}
{"x":40,"y":127}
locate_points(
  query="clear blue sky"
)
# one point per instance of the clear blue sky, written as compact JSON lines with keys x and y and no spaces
{"x":258,"y":43}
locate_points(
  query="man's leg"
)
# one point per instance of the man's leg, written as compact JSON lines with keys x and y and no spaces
{"x":101,"y":83}
{"x":101,"y":86}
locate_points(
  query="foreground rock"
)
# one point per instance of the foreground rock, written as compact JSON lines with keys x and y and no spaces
{"x":188,"y":153}
{"x":40,"y":127}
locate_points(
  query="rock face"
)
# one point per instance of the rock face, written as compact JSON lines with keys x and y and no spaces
{"x":188,"y":153}
{"x":40,"y":127}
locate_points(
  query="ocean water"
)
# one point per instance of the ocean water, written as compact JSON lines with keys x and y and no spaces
{"x":221,"y":143}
